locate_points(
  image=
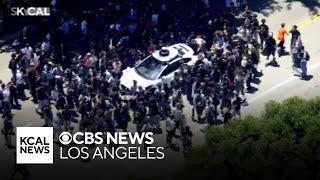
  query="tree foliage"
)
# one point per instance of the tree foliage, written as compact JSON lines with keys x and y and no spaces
{"x":284,"y":143}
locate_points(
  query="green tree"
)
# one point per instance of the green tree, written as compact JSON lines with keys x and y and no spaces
{"x":284,"y":143}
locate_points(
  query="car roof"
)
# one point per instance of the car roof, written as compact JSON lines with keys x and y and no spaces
{"x":165,"y":54}
{"x":170,"y":54}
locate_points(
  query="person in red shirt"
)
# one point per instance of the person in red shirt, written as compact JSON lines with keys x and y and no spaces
{"x":282,"y":32}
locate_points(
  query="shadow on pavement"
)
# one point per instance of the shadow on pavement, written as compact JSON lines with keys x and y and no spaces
{"x":259,"y":74}
{"x":267,"y":7}
{"x":252,"y":90}
{"x":274,"y":64}
{"x":256,"y":81}
{"x":307,"y":77}
{"x":312,"y":5}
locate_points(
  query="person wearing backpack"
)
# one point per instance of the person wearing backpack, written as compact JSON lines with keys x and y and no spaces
{"x":304,"y":57}
{"x":295,"y":52}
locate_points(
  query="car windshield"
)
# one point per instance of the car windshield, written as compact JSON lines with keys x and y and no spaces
{"x":150,"y":68}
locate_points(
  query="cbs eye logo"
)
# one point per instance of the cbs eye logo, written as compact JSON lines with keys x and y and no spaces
{"x":65,"y":138}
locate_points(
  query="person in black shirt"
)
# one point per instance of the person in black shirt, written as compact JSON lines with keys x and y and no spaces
{"x":263,"y":33}
{"x":32,"y":78}
{"x":14,"y":94}
{"x":41,"y":99}
{"x":187,"y":140}
{"x":270,"y":48}
{"x":154,"y":114}
{"x":236,"y":105}
{"x":254,"y":27}
{"x":7,"y":131}
{"x":124,"y":117}
{"x":13,"y":64}
{"x":295,"y":35}
{"x":20,"y":169}
{"x":139,"y":115}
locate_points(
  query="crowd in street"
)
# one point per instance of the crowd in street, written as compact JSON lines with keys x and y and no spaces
{"x":84,"y":88}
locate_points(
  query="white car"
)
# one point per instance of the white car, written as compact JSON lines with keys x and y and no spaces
{"x":160,"y":66}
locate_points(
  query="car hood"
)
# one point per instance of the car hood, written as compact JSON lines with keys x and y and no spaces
{"x":130,"y":74}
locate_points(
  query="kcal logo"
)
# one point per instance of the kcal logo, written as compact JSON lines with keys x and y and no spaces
{"x":30,"y":11}
{"x":34,"y":145}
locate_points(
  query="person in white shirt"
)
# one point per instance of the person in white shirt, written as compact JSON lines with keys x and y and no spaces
{"x":36,"y":58}
{"x":20,"y":85}
{"x":6,"y":107}
{"x":6,"y":94}
{"x":202,"y":58}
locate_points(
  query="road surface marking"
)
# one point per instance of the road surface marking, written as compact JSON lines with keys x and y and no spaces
{"x":315,"y":66}
{"x":309,"y":20}
{"x":3,"y":70}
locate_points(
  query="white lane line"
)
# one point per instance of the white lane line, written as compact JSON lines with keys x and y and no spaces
{"x":310,"y":69}
{"x":3,"y":70}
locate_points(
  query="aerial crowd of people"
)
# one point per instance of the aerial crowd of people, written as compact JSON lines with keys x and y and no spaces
{"x":82,"y":88}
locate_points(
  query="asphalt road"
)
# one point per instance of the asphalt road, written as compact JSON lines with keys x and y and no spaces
{"x":277,"y":83}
